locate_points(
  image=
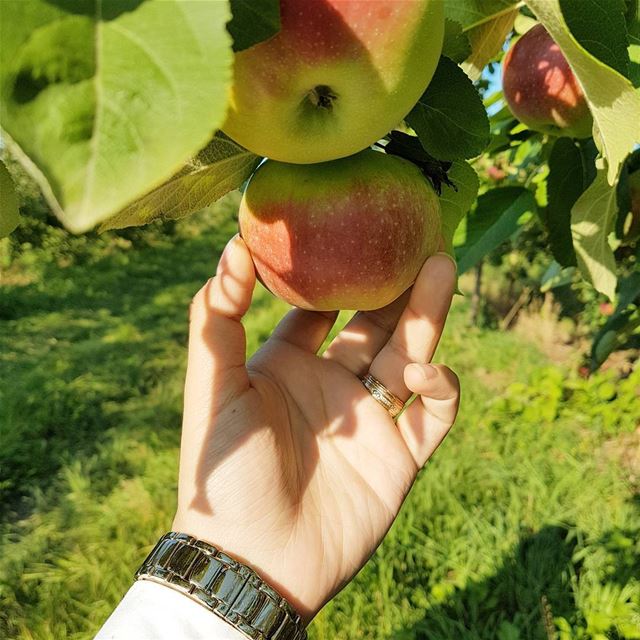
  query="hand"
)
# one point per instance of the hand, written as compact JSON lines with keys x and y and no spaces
{"x":287,"y":462}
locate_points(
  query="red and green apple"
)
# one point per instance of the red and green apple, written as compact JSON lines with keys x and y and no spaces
{"x":338,"y":76}
{"x":541,"y":89}
{"x":346,"y":234}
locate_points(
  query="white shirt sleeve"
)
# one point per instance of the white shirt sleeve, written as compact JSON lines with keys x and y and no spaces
{"x":151,"y":611}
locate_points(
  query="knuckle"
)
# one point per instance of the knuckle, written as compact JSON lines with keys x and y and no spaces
{"x":380,"y":320}
{"x":450,"y":381}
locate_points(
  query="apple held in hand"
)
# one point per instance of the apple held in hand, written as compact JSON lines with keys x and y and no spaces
{"x":542,"y":90}
{"x":347,"y":234}
{"x":338,"y":76}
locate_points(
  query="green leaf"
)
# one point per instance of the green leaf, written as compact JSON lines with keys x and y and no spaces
{"x":556,"y":276}
{"x":9,"y":214}
{"x":253,"y":22}
{"x":102,"y":101}
{"x":486,"y":42}
{"x":570,"y":173}
{"x":599,"y":26}
{"x":220,"y":167}
{"x":613,"y":102}
{"x":623,"y":323}
{"x":634,"y":52}
{"x":523,"y":23}
{"x":455,"y":203}
{"x":456,"y":43}
{"x":629,"y":290}
{"x":471,"y":13}
{"x":449,"y":118}
{"x":632,"y":10}
{"x":496,"y":218}
{"x":592,"y":219}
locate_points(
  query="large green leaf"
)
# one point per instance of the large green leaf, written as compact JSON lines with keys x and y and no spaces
{"x":102,"y":101}
{"x":456,"y":44}
{"x":253,"y":22}
{"x":220,"y":167}
{"x":614,"y":103}
{"x":449,"y":118}
{"x":571,"y":170}
{"x":9,"y":215}
{"x":486,"y":24}
{"x":471,"y":13}
{"x":486,"y":41}
{"x":496,"y":218}
{"x":592,"y":219}
{"x":599,"y":26}
{"x":456,"y":202}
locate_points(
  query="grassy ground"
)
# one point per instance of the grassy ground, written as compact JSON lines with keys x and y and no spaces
{"x":526,"y":525}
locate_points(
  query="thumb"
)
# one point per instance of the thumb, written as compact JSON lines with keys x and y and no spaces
{"x":425,"y":424}
{"x":216,"y":370}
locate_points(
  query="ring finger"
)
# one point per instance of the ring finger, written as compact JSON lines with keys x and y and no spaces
{"x":419,"y":328}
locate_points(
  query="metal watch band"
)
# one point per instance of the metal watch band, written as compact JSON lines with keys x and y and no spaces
{"x":231,"y":590}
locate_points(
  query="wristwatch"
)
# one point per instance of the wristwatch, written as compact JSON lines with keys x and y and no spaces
{"x":226,"y":587}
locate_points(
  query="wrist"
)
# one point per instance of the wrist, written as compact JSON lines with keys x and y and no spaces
{"x":264,"y":558}
{"x":226,"y":586}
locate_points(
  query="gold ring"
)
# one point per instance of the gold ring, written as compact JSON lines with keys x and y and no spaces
{"x":388,"y":400}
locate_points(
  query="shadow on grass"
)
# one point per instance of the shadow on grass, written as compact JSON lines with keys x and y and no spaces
{"x":518,"y":602}
{"x":94,"y":347}
{"x":623,"y":546}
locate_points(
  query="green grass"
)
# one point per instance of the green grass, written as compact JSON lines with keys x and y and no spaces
{"x":524,"y":526}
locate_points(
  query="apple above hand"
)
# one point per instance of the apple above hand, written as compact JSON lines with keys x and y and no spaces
{"x":337,"y":77}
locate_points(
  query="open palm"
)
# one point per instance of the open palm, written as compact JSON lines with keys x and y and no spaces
{"x":287,"y":461}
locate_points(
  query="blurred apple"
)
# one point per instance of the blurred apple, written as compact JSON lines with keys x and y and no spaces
{"x":542,"y":90}
{"x":606,"y":308}
{"x":347,"y":234}
{"x":338,"y":76}
{"x":496,"y":173}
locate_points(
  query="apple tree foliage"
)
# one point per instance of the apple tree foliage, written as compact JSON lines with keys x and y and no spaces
{"x":114,"y":109}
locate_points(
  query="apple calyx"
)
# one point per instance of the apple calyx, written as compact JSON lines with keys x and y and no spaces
{"x":409,"y":147}
{"x":322,"y":97}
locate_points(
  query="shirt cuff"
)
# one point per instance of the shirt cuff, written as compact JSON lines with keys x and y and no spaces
{"x":151,"y":611}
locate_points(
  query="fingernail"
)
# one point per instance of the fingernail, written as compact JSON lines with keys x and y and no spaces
{"x":226,"y":254}
{"x":447,"y":255}
{"x":425,"y":371}
{"x":234,"y":241}
{"x":232,"y":245}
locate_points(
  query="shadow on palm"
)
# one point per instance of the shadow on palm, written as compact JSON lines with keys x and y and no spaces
{"x":301,"y":403}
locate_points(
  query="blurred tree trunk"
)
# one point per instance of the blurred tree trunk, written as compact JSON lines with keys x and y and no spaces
{"x":476,"y":296}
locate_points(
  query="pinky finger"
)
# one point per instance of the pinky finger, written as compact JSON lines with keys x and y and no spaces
{"x":426,"y":422}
